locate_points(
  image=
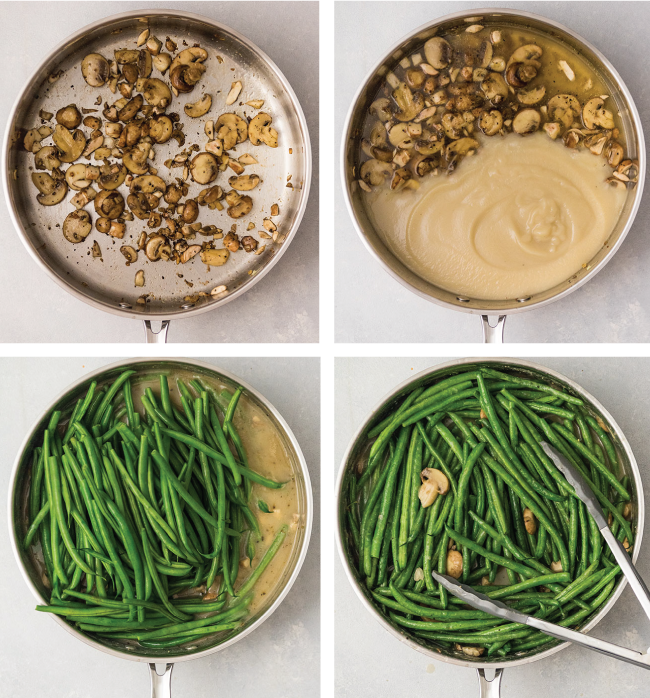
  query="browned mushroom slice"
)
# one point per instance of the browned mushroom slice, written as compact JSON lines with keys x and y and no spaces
{"x":130,"y":109}
{"x":141,"y":205}
{"x":594,"y":114}
{"x":199,"y":108}
{"x":490,"y":122}
{"x":115,"y":229}
{"x":69,"y":143}
{"x":438,"y":52}
{"x":531,"y":95}
{"x":144,"y":64}
{"x":231,"y":129}
{"x":462,"y":146}
{"x":530,"y":53}
{"x":77,"y":226}
{"x":189,"y":253}
{"x":160,"y":129}
{"x":135,"y":159}
{"x":76,"y":177}
{"x":563,"y":108}
{"x":190,"y":211}
{"x":69,"y":116}
{"x":215,"y":258}
{"x":526,"y":121}
{"x":47,"y":158}
{"x":520,"y":74}
{"x":453,"y":125}
{"x":374,"y":172}
{"x":95,"y":69}
{"x":158,"y":247}
{"x":148,"y":184}
{"x":129,"y":253}
{"x":52,"y":191}
{"x":125,"y":55}
{"x":155,"y":91}
{"x":244,"y":183}
{"x":238,"y":206}
{"x":614,"y":153}
{"x":204,"y":168}
{"x":553,"y":129}
{"x":235,"y":89}
{"x":381,"y":107}
{"x":231,"y":241}
{"x":428,"y":147}
{"x":109,"y":204}
{"x":494,"y":87}
{"x":410,"y":104}
{"x":112,"y":178}
{"x":260,"y":130}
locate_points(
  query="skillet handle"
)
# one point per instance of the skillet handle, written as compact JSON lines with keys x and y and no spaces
{"x":159,"y":337}
{"x":489,"y":689}
{"x":493,"y":334}
{"x":161,"y":684}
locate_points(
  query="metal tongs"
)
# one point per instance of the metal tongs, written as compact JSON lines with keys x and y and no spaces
{"x":496,"y":608}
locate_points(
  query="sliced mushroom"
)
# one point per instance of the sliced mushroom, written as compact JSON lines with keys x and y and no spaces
{"x":109,"y":204}
{"x":530,"y":53}
{"x":155,"y":91}
{"x":260,"y":131}
{"x":161,"y":62}
{"x":256,"y":103}
{"x":398,"y":136}
{"x":462,"y":146}
{"x":52,"y":191}
{"x":235,"y":89}
{"x":526,"y":121}
{"x":144,"y":64}
{"x":438,"y":52}
{"x":77,"y":226}
{"x":434,"y":482}
{"x":204,"y":168}
{"x":530,"y":522}
{"x":553,"y":129}
{"x":157,"y":247}
{"x":563,"y":108}
{"x":453,"y":125}
{"x":215,"y":258}
{"x":190,"y":252}
{"x":69,"y":143}
{"x":244,"y":183}
{"x":454,"y":564}
{"x":148,"y":184}
{"x":139,"y":278}
{"x":531,"y":95}
{"x":231,"y":242}
{"x":381,"y":107}
{"x":69,"y":116}
{"x":84,"y":197}
{"x":130,"y":109}
{"x":238,"y":206}
{"x":190,"y":56}
{"x":374,"y":172}
{"x":33,"y":138}
{"x":594,"y":115}
{"x":135,"y":159}
{"x":520,"y":74}
{"x":490,"y":122}
{"x":410,"y":105}
{"x":200,"y":108}
{"x":247,"y":159}
{"x":47,"y":158}
{"x":249,"y":243}
{"x":184,"y":77}
{"x":95,"y":69}
{"x":115,"y":229}
{"x":141,"y":205}
{"x":76,"y":178}
{"x":494,"y":87}
{"x":129,"y":253}
{"x":125,"y":55}
{"x":113,"y":178}
{"x":215,"y":147}
{"x":614,"y":153}
{"x":161,"y":128}
{"x":232,"y":129}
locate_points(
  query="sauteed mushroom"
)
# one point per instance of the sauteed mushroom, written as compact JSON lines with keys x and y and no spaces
{"x":199,"y":108}
{"x":69,"y":143}
{"x":204,"y":168}
{"x":77,"y":226}
{"x":52,"y":191}
{"x":260,"y":131}
{"x":438,"y":52}
{"x":95,"y":69}
{"x":69,"y":116}
{"x":244,"y":183}
{"x":215,"y":258}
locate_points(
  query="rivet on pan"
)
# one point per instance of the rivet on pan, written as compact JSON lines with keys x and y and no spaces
{"x":523,"y":300}
{"x":187,"y":306}
{"x":128,"y":306}
{"x":462,"y":299}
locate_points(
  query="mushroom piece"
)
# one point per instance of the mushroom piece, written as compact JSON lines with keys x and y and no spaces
{"x":434,"y":482}
{"x":238,"y":206}
{"x":462,"y":146}
{"x":531,"y":95}
{"x":161,"y":62}
{"x":453,"y":125}
{"x":526,"y":121}
{"x":52,"y":191}
{"x":140,"y":205}
{"x":490,"y":122}
{"x":160,"y":129}
{"x":113,"y":178}
{"x":85,"y":196}
{"x":249,"y":243}
{"x":69,"y":116}
{"x":530,"y":53}
{"x":190,"y":56}
{"x":144,"y":64}
{"x":190,"y":252}
{"x":200,"y":108}
{"x":563,"y":108}
{"x":594,"y":115}
{"x":530,"y":522}
{"x":115,"y":229}
{"x":260,"y":131}
{"x":231,"y":129}
{"x":204,"y":168}
{"x":130,"y":109}
{"x":148,"y":184}
{"x":438,"y":52}
{"x":109,"y":204}
{"x":76,"y":177}
{"x":47,"y":158}
{"x":157,"y":247}
{"x":135,"y":159}
{"x":77,"y":226}
{"x":520,"y":74}
{"x":129,"y":253}
{"x":374,"y":172}
{"x":139,"y":278}
{"x":70,"y":143}
{"x":235,"y":89}
{"x":381,"y":108}
{"x":614,"y":153}
{"x":231,"y":242}
{"x":190,"y":211}
{"x":454,"y":564}
{"x":244,"y":183}
{"x":494,"y":87}
{"x":33,"y":138}
{"x":410,"y":105}
{"x":154,"y":91}
{"x":215,"y":258}
{"x":184,"y":77}
{"x":553,"y":129}
{"x":95,"y":69}
{"x":125,"y":55}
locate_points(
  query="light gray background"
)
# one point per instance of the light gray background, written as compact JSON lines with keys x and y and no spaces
{"x":371,"y":663}
{"x":612,"y":307}
{"x":279,"y":660}
{"x":36,"y":309}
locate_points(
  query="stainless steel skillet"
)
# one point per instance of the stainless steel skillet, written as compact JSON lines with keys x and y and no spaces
{"x":109,"y":284}
{"x":488,"y":689}
{"x":19,"y":482}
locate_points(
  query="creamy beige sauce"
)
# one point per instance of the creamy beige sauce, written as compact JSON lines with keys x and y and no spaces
{"x":519,"y":217}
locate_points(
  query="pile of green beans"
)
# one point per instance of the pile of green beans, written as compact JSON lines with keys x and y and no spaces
{"x":128,"y":509}
{"x":482,"y":428}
